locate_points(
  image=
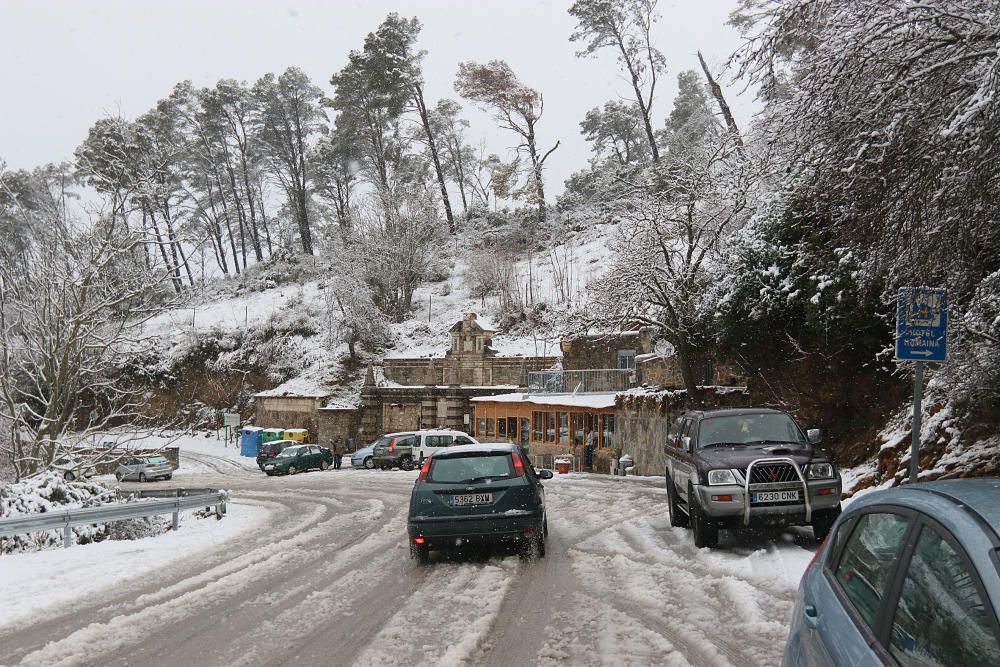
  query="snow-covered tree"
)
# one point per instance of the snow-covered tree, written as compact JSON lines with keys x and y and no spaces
{"x":354,"y":317}
{"x":516,"y":107}
{"x":672,"y":235}
{"x":398,"y":246}
{"x":887,"y":117}
{"x":71,"y":313}
{"x":289,"y":116}
{"x":625,"y":27}
{"x":616,"y":132}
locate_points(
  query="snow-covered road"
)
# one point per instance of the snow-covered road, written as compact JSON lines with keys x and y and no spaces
{"x":323,"y":577}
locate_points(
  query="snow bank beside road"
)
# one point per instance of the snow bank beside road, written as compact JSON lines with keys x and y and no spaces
{"x":32,"y":583}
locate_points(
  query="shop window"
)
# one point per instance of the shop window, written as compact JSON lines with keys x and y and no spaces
{"x":550,"y":427}
{"x":501,"y":427}
{"x":563,"y":428}
{"x":537,"y":426}
{"x":578,"y":430}
{"x":481,"y":427}
{"x":490,"y":428}
{"x":512,"y":429}
{"x":607,"y":430}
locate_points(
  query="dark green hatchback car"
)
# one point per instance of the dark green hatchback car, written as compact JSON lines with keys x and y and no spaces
{"x":298,"y":458}
{"x":478,"y":494}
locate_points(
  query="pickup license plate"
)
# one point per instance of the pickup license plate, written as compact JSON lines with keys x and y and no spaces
{"x":472,"y":499}
{"x":774,"y":496}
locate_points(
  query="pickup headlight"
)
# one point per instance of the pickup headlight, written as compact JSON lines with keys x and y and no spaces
{"x":821,"y":471}
{"x":716,"y":477}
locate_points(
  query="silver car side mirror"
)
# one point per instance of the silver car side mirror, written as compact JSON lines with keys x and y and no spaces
{"x":815,"y":436}
{"x":686,"y":443}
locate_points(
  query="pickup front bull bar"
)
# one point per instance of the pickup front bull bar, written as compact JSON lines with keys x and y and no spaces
{"x":777,"y":459}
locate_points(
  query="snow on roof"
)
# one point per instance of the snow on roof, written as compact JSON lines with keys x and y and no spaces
{"x":295,"y":388}
{"x":339,"y":405}
{"x":595,"y":400}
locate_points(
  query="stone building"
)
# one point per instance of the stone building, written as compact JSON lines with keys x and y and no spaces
{"x":289,"y":409}
{"x":643,"y":418}
{"x":617,"y":350}
{"x":469,"y":361}
{"x":435,"y":392}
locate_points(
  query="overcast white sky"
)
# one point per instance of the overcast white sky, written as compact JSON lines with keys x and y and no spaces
{"x":67,"y":63}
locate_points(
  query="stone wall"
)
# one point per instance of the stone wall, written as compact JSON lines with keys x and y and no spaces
{"x":388,"y":409}
{"x":601,"y":351}
{"x":643,"y":418}
{"x":288,"y":412}
{"x":464,"y":371}
{"x":345,"y":422}
{"x":657,"y":371}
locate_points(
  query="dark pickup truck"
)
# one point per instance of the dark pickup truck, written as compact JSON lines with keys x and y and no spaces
{"x":748,"y":467}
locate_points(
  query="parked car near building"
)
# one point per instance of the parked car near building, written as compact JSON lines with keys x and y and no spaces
{"x":748,"y":467}
{"x":299,"y":458}
{"x":908,"y":576}
{"x":268,"y":450}
{"x":478,"y":494}
{"x":364,"y":457}
{"x":72,"y":467}
{"x":144,"y":468}
{"x":409,"y":449}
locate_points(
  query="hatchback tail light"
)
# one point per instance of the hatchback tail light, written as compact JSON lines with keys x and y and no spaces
{"x":425,"y":470}
{"x":819,"y":552}
{"x":392,"y":445}
{"x":518,"y":464}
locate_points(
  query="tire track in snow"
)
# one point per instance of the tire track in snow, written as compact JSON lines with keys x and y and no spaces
{"x":150,"y":614}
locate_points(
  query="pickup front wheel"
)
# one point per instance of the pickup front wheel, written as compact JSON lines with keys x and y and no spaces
{"x":705,"y":531}
{"x":822,"y":522}
{"x":678,"y":518}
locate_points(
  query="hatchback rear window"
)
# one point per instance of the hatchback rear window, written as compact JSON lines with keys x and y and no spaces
{"x":467,"y":469}
{"x":157,"y":459}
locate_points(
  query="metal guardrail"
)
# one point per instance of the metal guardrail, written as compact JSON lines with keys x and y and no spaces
{"x":68,"y":518}
{"x":581,"y":381}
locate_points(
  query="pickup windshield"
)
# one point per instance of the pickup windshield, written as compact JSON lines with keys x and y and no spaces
{"x":759,"y":429}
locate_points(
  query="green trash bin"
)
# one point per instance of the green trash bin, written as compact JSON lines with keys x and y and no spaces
{"x":271,"y":434}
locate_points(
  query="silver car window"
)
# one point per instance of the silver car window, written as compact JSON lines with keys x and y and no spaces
{"x":938,"y":586}
{"x":868,"y":559}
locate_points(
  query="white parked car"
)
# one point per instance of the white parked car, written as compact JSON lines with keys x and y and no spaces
{"x":410,"y":448}
{"x":72,"y":467}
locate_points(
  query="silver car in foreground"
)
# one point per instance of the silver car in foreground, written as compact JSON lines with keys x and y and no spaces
{"x":144,"y":468}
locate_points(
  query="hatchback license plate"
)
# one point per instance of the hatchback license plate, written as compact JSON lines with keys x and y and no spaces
{"x":774,"y":496}
{"x":269,"y":467}
{"x":472,"y":499}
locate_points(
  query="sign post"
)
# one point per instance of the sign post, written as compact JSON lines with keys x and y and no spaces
{"x":230,"y":420}
{"x":921,"y":336}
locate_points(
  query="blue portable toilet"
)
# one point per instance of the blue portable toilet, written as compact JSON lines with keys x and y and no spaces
{"x":250,"y":440}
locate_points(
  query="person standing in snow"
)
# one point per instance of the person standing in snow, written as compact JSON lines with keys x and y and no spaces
{"x":337,"y":447}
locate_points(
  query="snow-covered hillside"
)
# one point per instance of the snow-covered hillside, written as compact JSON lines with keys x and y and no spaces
{"x":286,"y":328}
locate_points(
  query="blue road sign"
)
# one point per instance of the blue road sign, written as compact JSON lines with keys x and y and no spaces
{"x":922,"y":324}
